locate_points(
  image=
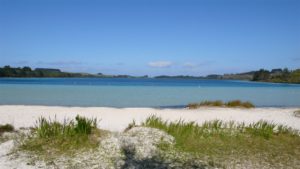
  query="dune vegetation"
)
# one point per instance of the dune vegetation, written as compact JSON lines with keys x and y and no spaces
{"x":160,"y":143}
{"x":6,"y":128}
{"x":230,"y":144}
{"x":219,"y":103}
{"x":61,"y":138}
{"x":297,"y":113}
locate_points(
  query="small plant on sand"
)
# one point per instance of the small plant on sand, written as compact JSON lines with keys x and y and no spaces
{"x":260,"y":143}
{"x":6,"y":128}
{"x":130,"y":125}
{"x":218,"y":103}
{"x":297,"y":113}
{"x":55,"y":137}
{"x":238,"y":103}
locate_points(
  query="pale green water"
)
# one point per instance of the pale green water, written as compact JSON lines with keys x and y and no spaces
{"x":142,"y":92}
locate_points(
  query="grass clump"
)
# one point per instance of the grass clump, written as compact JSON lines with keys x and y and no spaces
{"x":218,"y":103}
{"x":260,"y":143}
{"x":297,"y":113}
{"x":238,"y":103}
{"x":130,"y":126}
{"x":51,"y":136}
{"x":54,"y":129}
{"x":6,"y":128}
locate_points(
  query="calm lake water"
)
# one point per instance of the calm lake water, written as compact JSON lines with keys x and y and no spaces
{"x":141,"y":92}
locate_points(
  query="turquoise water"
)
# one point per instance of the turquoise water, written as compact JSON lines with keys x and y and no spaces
{"x":141,"y":92}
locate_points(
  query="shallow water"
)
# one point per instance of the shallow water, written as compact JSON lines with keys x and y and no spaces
{"x":141,"y":92}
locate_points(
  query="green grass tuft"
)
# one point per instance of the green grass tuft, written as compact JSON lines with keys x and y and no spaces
{"x":297,"y":113}
{"x":60,"y":138}
{"x":6,"y":128}
{"x":258,"y":143}
{"x":53,"y":129}
{"x":218,"y":103}
{"x":130,"y":126}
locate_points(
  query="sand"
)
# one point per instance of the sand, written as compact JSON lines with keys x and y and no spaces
{"x":115,"y":119}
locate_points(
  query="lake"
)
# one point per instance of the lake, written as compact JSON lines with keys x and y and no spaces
{"x":148,"y":92}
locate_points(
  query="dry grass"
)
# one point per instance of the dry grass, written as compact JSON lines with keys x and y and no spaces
{"x":218,"y":103}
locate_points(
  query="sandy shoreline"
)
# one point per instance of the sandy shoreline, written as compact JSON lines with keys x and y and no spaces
{"x":144,"y":141}
{"x":116,"y":119}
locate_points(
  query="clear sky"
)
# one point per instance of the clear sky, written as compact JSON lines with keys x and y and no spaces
{"x":138,"y":37}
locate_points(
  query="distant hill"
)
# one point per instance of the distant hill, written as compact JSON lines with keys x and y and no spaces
{"x":26,"y":71}
{"x":239,"y":76}
{"x":178,"y":77}
{"x":275,"y":75}
{"x":8,"y":71}
{"x":47,"y":69}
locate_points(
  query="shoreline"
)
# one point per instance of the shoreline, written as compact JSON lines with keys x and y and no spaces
{"x":117,"y":119}
{"x":174,"y":107}
{"x":99,"y":77}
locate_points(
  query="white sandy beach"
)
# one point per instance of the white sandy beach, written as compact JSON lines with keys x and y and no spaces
{"x":115,"y":119}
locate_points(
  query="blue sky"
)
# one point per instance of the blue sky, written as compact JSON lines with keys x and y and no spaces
{"x":139,"y":37}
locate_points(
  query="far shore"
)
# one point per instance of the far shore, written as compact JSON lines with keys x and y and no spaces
{"x":117,"y":119}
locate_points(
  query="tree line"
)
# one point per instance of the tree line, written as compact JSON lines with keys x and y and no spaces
{"x":26,"y":71}
{"x":277,"y":76}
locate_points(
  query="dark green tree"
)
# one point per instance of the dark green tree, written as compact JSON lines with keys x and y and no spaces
{"x":261,"y":75}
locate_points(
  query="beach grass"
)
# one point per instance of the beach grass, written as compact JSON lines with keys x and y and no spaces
{"x":232,"y":144}
{"x":219,"y":103}
{"x":297,"y":113}
{"x":6,"y":128}
{"x":51,"y":136}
